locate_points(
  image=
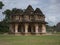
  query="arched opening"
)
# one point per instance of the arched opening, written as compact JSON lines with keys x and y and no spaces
{"x":29,"y":28}
{"x":33,"y":29}
{"x":19,"y":28}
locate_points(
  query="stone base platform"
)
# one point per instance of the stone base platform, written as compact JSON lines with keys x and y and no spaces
{"x":28,"y":34}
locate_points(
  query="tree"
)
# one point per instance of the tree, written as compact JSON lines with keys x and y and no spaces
{"x":7,"y":14}
{"x":58,"y":27}
{"x":5,"y":22}
{"x":1,"y":5}
{"x":2,"y":26}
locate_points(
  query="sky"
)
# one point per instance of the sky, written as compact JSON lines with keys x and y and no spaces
{"x":50,"y":8}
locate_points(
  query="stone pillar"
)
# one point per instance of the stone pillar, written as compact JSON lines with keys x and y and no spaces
{"x":16,"y":28}
{"x":43,"y":28}
{"x":36,"y":28}
{"x":26,"y":28}
{"x":11,"y":28}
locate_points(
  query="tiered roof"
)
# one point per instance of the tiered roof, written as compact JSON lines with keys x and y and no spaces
{"x":28,"y":11}
{"x":38,"y":11}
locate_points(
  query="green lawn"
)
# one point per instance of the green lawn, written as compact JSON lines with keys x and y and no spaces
{"x":30,"y":40}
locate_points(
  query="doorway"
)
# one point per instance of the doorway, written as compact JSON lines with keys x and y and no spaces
{"x":29,"y":28}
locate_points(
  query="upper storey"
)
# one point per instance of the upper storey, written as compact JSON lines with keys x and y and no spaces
{"x":29,"y":15}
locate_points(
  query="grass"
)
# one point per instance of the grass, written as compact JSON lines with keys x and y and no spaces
{"x":30,"y":40}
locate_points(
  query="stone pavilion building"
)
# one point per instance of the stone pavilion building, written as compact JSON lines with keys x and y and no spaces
{"x":28,"y":22}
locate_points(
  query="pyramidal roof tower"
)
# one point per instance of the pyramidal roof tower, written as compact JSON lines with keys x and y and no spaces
{"x":38,"y":12}
{"x":29,"y":9}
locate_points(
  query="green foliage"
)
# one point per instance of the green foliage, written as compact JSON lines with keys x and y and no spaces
{"x":4,"y":25}
{"x":7,"y":14}
{"x":1,"y":5}
{"x":49,"y":28}
{"x":58,"y":27}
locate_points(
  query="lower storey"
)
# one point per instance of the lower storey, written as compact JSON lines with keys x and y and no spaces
{"x":26,"y":28}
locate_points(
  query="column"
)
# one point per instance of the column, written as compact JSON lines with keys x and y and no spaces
{"x":43,"y":28}
{"x":26,"y":28}
{"x":36,"y":28}
{"x":10,"y":28}
{"x":16,"y":28}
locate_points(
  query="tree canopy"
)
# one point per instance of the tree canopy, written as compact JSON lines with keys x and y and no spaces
{"x":4,"y":25}
{"x":1,"y":5}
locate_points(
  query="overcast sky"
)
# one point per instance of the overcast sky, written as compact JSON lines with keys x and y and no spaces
{"x":51,"y":8}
